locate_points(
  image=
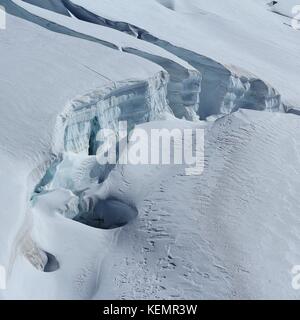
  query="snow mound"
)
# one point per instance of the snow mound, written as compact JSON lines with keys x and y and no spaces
{"x":284,"y":7}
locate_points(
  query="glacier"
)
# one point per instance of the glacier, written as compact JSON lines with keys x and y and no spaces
{"x":74,"y":229}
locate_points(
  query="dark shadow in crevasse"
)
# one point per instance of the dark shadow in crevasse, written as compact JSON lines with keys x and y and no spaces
{"x":108,"y":214}
{"x":52,"y":263}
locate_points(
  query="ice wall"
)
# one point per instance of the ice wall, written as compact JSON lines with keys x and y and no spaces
{"x":132,"y":101}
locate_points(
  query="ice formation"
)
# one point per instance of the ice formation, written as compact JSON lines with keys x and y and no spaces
{"x":72,"y":228}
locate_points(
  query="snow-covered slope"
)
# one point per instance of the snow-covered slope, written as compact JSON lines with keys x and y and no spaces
{"x":248,"y":35}
{"x":231,"y":233}
{"x":284,"y":7}
{"x":71,"y":228}
{"x":45,"y":73}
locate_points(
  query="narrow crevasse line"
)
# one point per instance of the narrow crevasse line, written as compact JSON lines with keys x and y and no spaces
{"x":16,"y":10}
{"x":184,"y":86}
{"x":224,"y":89}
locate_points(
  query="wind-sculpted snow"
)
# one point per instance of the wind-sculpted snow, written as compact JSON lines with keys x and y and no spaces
{"x":72,"y":228}
{"x":170,"y":4}
{"x":202,"y":248}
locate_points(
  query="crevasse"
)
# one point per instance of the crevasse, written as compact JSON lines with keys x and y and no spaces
{"x":74,"y":167}
{"x":222,"y":89}
{"x":132,"y":101}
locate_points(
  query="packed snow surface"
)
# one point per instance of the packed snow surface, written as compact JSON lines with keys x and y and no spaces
{"x":74,"y":229}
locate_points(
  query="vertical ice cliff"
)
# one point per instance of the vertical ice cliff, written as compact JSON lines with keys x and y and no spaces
{"x":224,"y":89}
{"x":250,"y":93}
{"x":75,"y":167}
{"x":132,"y":101}
{"x":184,"y":86}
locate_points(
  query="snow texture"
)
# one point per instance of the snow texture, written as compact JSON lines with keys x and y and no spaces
{"x":74,"y":229}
